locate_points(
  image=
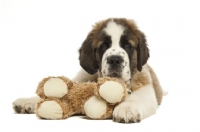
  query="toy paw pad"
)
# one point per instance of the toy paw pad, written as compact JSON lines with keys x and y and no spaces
{"x":55,"y":87}
{"x":95,"y":108}
{"x":111,"y":91}
{"x":50,"y":110}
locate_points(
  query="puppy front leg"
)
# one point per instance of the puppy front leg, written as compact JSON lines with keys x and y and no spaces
{"x":137,"y":106}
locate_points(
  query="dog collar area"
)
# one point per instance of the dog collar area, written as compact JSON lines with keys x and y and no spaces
{"x":129,"y":91}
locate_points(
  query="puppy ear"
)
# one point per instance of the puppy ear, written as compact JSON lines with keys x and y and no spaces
{"x":142,"y":51}
{"x":87,"y":55}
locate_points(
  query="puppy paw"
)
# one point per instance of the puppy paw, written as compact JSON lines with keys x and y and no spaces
{"x":25,"y":105}
{"x":126,"y":112}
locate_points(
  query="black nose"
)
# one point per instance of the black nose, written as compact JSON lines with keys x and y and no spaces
{"x":115,"y":60}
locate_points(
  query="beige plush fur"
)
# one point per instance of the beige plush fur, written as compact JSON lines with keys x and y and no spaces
{"x":74,"y":100}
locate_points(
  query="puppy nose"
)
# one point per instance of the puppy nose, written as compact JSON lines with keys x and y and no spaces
{"x":115,"y":60}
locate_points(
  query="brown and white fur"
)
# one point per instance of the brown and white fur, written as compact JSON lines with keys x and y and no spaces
{"x":115,"y":47}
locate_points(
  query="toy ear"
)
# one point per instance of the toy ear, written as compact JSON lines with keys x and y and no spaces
{"x":142,"y":51}
{"x":87,"y":55}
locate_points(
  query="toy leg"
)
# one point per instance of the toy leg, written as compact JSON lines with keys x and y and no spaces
{"x":95,"y":108}
{"x":53,"y":87}
{"x":53,"y":108}
{"x":52,"y":90}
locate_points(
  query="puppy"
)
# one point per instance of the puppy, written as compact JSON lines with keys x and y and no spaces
{"x":115,"y":47}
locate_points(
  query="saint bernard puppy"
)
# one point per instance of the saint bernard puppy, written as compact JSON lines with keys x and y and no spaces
{"x":115,"y":47}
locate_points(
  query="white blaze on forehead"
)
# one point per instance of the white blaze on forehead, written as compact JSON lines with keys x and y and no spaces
{"x":115,"y":31}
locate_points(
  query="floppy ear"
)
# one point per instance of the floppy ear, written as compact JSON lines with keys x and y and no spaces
{"x":87,"y":55}
{"x":142,"y":51}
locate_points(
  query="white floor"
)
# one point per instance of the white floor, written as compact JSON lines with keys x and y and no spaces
{"x":41,"y":38}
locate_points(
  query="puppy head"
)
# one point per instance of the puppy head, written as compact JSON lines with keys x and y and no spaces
{"x":115,"y":47}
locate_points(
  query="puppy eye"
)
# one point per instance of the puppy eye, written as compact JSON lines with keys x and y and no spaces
{"x":127,"y":46}
{"x":104,"y":47}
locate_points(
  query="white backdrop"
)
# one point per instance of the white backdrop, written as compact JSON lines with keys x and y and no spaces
{"x":39,"y":38}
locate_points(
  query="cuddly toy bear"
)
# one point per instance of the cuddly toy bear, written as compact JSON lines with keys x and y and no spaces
{"x":61,"y":98}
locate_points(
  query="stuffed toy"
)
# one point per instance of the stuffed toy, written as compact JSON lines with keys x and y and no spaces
{"x":62,"y":98}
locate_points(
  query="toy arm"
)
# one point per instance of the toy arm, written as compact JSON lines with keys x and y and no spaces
{"x":111,"y":90}
{"x":108,"y":93}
